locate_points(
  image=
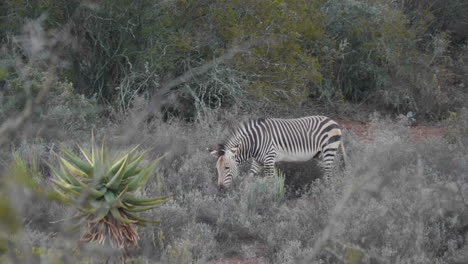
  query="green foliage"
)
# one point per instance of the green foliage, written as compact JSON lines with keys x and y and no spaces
{"x":283,"y":68}
{"x":14,"y":14}
{"x":263,"y":191}
{"x":278,"y":185}
{"x":20,"y":174}
{"x":8,"y":222}
{"x":353,"y":255}
{"x":369,"y":39}
{"x":179,"y":252}
{"x":346,"y":50}
{"x":65,"y":107}
{"x":21,"y":86}
{"x":445,"y":16}
{"x":259,"y":194}
{"x":457,"y":127}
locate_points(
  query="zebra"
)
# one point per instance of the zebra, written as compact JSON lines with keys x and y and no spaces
{"x":271,"y":140}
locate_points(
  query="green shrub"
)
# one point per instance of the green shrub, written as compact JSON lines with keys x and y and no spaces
{"x":283,"y":69}
{"x":444,"y":16}
{"x":457,"y":127}
{"x":278,"y":185}
{"x":64,"y":108}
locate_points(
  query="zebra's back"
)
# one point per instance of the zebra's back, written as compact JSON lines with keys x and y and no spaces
{"x":301,"y":139}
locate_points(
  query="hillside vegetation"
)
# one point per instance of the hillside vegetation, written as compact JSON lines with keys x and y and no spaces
{"x":173,"y":77}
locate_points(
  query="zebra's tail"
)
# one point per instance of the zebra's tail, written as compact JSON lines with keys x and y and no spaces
{"x":345,"y":158}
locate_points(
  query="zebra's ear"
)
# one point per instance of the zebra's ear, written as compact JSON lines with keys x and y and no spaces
{"x":213,"y":152}
{"x":234,"y":149}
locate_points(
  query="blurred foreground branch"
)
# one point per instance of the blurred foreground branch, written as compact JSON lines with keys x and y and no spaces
{"x":12,"y":125}
{"x":42,"y":49}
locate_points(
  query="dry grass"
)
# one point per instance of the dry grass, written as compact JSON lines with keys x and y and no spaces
{"x":399,"y":201}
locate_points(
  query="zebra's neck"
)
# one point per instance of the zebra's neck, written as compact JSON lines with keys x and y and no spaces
{"x":240,"y":138}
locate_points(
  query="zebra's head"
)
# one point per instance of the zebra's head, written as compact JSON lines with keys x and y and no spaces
{"x":226,"y":165}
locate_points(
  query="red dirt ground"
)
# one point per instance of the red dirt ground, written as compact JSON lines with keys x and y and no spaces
{"x":361,"y":129}
{"x":237,"y":260}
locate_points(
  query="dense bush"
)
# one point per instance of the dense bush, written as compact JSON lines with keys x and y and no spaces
{"x":392,"y":53}
{"x":65,"y":109}
{"x":446,"y":16}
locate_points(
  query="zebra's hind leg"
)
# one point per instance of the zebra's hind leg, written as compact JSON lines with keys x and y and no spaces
{"x":269,"y":164}
{"x":328,"y":157}
{"x":256,"y":168}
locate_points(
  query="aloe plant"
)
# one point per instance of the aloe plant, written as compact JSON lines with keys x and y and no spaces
{"x":101,"y":187}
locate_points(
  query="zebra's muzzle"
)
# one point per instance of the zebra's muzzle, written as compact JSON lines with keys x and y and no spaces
{"x":221,"y":187}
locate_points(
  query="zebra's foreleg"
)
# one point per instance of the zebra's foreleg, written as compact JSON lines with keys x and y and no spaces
{"x":256,"y":168}
{"x":269,"y":168}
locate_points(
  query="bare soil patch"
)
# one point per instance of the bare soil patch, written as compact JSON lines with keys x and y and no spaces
{"x":362,"y":128}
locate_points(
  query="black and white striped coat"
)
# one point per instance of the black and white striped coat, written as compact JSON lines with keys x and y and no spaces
{"x":267,"y":141}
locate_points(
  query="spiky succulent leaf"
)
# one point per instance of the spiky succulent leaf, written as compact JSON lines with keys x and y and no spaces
{"x":101,"y":213}
{"x":143,"y":209}
{"x":87,"y":155}
{"x":130,"y":199}
{"x":55,"y":194}
{"x":116,"y":214}
{"x":134,"y":149}
{"x":103,"y":151}
{"x":62,"y":176}
{"x":117,"y":165}
{"x":136,"y":181}
{"x":117,"y":178}
{"x":76,"y":160}
{"x":93,"y":193}
{"x":73,"y":180}
{"x":132,"y":167}
{"x":67,"y":188}
{"x":72,"y":168}
{"x":141,"y":177}
{"x":140,"y":219}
